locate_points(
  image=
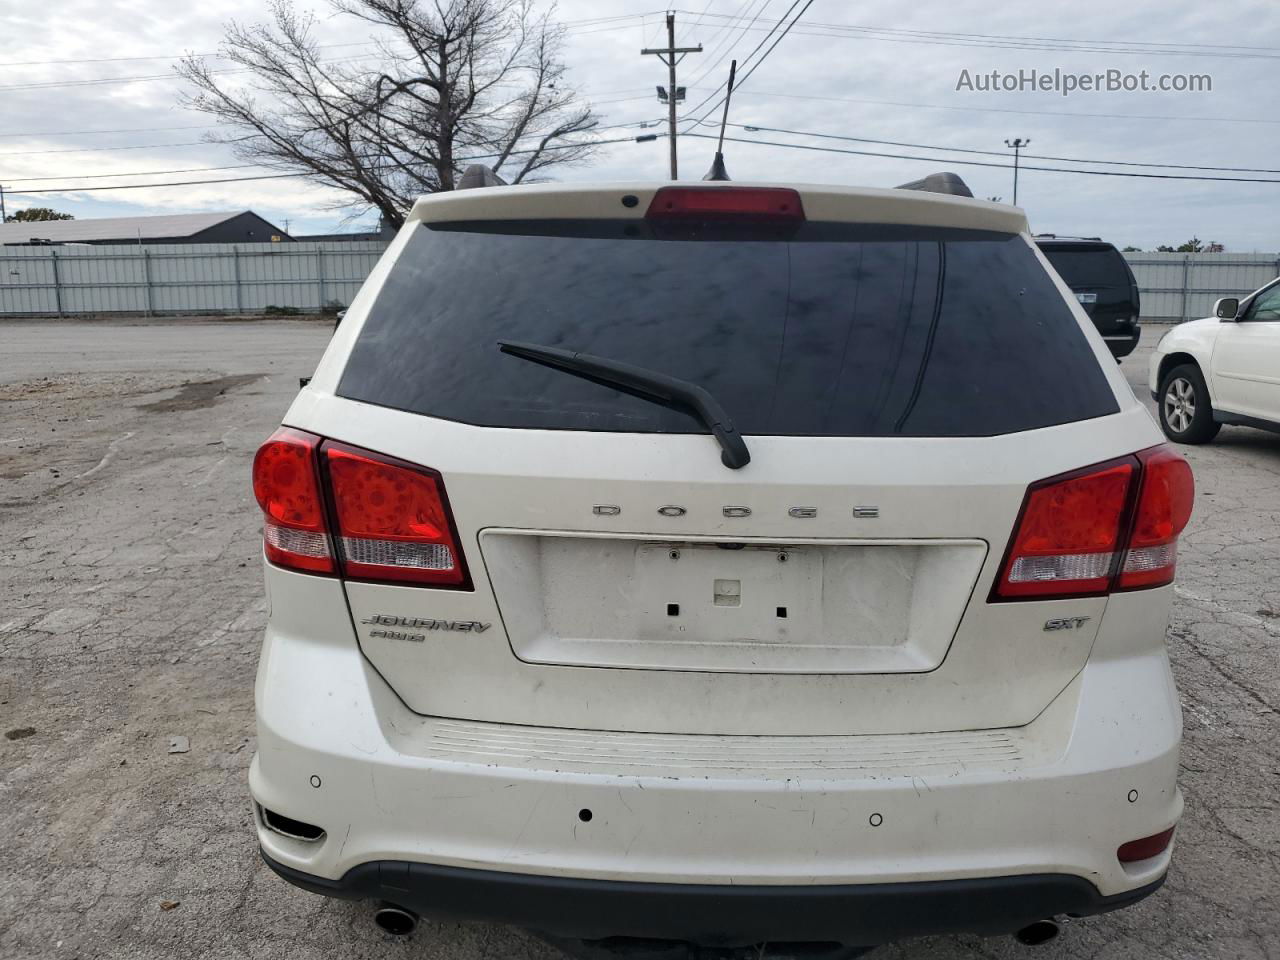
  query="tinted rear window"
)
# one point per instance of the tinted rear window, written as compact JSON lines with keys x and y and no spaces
{"x":1089,"y":266}
{"x":833,"y":331}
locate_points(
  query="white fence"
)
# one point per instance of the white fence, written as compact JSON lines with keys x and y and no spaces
{"x":1183,"y":286}
{"x":182,"y":278}
{"x":250,"y":277}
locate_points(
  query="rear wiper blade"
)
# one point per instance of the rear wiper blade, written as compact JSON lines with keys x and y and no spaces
{"x":645,"y":384}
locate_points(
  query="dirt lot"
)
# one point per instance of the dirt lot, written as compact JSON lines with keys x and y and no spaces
{"x":130,"y":607}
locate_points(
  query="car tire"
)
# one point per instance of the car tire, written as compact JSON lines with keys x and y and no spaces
{"x":1186,"y":415}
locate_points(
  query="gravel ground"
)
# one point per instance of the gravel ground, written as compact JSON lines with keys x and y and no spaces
{"x":131,"y":609}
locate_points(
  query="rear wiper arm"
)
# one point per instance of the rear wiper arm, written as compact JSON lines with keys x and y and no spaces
{"x":645,"y":384}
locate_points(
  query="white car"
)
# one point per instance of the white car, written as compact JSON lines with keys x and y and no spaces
{"x":719,"y":564}
{"x":1221,"y":369}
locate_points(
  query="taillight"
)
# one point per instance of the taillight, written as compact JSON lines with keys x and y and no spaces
{"x":1113,"y":526}
{"x":1069,"y":534}
{"x":1164,"y":507}
{"x":393,"y":520}
{"x":389,"y":520}
{"x":726,"y":203}
{"x":287,"y":487}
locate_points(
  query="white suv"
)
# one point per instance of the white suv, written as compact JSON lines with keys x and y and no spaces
{"x":720,"y":564}
{"x":1221,"y":369}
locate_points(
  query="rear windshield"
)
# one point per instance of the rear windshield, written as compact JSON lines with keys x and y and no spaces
{"x":1101,"y":266}
{"x":821,"y":331}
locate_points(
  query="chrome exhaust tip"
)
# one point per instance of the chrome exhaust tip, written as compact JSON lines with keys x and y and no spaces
{"x":394,"y":920}
{"x":1038,"y":933}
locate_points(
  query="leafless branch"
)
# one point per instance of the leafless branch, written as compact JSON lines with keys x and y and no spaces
{"x":442,"y":82}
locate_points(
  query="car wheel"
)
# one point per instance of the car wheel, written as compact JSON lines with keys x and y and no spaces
{"x":1186,"y":416}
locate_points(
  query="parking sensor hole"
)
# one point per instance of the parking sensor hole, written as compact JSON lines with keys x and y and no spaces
{"x":782,"y":613}
{"x":875,"y":819}
{"x":584,"y":815}
{"x":673,"y":609}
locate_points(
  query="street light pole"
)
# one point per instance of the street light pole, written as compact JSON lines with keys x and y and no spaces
{"x":1016,"y":144}
{"x":668,"y":55}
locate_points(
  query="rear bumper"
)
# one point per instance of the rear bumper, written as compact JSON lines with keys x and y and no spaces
{"x":710,"y":914}
{"x":1042,"y":807}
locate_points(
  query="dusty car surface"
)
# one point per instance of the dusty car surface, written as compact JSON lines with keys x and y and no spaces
{"x":719,"y":564}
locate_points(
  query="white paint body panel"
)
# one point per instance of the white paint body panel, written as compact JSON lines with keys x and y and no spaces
{"x":986,"y":744}
{"x":1049,"y":796}
{"x":1240,"y":361}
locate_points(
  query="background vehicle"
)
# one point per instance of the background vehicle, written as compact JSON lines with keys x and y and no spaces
{"x":1221,"y":369}
{"x":1102,"y":281}
{"x":719,"y":564}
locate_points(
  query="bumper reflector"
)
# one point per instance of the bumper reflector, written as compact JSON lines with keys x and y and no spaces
{"x":1146,"y":848}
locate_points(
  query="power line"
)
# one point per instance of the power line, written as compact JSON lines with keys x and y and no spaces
{"x":745,"y":60}
{"x":572,"y":25}
{"x":138,"y":146}
{"x":1001,"y":42}
{"x":763,"y":57}
{"x":1000,"y":153}
{"x":77,"y":133}
{"x":139,"y":173}
{"x":243,"y":166}
{"x":715,"y":61}
{"x":1035,"y":113}
{"x":983,"y":163}
{"x":284,"y":176}
{"x":106,"y":81}
{"x":179,"y":56}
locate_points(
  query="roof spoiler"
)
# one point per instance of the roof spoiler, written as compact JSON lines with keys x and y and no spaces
{"x":948,"y":183}
{"x":478,"y":175}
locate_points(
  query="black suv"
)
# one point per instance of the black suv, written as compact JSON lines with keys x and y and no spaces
{"x":1103,"y":283}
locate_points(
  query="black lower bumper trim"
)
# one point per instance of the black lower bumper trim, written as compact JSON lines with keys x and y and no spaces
{"x":595,"y":909}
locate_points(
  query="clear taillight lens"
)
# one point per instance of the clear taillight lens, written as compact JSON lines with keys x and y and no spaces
{"x":287,"y":488}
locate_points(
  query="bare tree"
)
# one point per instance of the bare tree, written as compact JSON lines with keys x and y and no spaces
{"x":452,"y":81}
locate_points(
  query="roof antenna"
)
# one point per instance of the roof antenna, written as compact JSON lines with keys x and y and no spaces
{"x":717,"y":171}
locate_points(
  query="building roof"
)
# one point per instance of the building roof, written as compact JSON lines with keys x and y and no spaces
{"x":168,"y":226}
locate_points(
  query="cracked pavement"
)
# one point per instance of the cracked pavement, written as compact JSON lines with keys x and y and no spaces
{"x":130,"y":612}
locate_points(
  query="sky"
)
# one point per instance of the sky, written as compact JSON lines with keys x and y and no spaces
{"x":875,"y":70}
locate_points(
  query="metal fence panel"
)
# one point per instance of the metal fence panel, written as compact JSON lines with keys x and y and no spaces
{"x":1183,"y":286}
{"x":251,"y":277}
{"x":182,"y":278}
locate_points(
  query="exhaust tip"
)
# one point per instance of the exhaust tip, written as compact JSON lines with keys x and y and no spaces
{"x":394,"y":920}
{"x":1038,"y":933}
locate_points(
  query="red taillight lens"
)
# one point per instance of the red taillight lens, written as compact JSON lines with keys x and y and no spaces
{"x":393,"y":520}
{"x":1146,"y":848}
{"x":1164,"y":507}
{"x":1069,"y":534}
{"x":1110,"y":527}
{"x":287,"y":487}
{"x":726,"y":203}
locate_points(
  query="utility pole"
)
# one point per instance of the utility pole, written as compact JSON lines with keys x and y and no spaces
{"x":671,"y":55}
{"x":1016,"y":144}
{"x":2,"y":215}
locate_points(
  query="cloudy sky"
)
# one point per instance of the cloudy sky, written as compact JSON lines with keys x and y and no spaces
{"x":86,"y":90}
